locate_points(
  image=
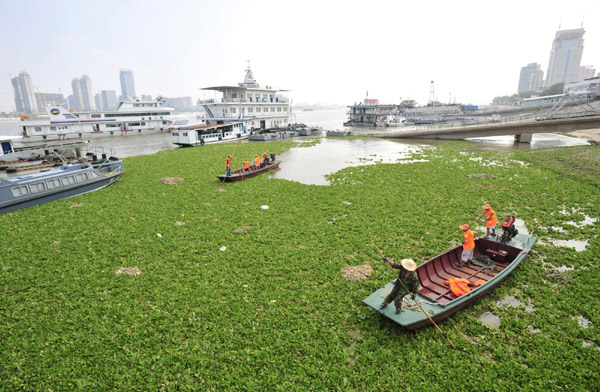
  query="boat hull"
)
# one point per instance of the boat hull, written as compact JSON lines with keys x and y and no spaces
{"x":437,"y":299}
{"x":240,"y":174}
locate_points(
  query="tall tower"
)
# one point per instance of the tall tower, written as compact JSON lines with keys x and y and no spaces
{"x":77,"y":95}
{"x":24,"y":96}
{"x":87,"y":99}
{"x":127,"y":84}
{"x":565,"y":57}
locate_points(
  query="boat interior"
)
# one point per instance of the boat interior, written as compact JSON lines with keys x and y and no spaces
{"x":435,"y":272}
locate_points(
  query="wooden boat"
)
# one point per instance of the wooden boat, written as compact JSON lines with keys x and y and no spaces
{"x":436,"y":297}
{"x":66,"y":181}
{"x":241,"y":174}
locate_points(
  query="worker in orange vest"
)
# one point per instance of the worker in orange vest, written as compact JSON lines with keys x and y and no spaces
{"x":468,"y":245}
{"x":491,"y":220}
{"x":228,"y":165}
{"x":265,"y":158}
{"x":246,"y":164}
{"x":256,"y":160}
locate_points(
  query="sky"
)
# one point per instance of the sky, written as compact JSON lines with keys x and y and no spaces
{"x":325,"y":52}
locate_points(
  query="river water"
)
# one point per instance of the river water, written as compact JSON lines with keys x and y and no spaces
{"x":310,"y":165}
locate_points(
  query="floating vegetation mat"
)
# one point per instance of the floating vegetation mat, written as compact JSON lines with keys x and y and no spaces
{"x":218,"y":307}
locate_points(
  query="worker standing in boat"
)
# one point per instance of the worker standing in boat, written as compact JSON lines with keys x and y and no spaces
{"x":257,"y":161}
{"x":265,"y":158}
{"x":406,"y":276}
{"x":246,"y":164}
{"x":228,"y":165}
{"x":468,"y":245}
{"x":272,"y":157}
{"x":491,"y":220}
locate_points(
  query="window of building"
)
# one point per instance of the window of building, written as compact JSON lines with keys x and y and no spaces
{"x":234,"y":95}
{"x":279,"y":109}
{"x":250,"y":110}
{"x":53,"y":128}
{"x":272,"y":109}
{"x":18,"y":191}
{"x":232,"y":110}
{"x":258,"y":109}
{"x":38,"y":129}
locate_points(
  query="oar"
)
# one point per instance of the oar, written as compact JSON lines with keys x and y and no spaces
{"x":417,"y":302}
{"x":470,"y":223}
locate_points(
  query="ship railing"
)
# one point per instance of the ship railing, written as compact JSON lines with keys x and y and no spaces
{"x":101,"y":150}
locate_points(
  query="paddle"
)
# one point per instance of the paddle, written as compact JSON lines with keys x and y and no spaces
{"x":418,"y":304}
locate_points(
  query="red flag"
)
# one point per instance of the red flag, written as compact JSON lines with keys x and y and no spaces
{"x":367,"y":93}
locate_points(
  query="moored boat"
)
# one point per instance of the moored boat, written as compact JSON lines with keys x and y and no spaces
{"x":254,"y":170}
{"x":435,"y":296}
{"x":200,"y":134}
{"x":66,"y":181}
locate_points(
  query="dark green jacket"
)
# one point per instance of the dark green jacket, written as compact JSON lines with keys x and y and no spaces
{"x":411,"y":282}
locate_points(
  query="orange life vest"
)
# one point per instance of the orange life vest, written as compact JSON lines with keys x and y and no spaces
{"x":227,"y":162}
{"x":264,"y":156}
{"x":490,"y":222}
{"x":257,"y":161}
{"x":458,"y":286}
{"x":246,"y":164}
{"x":469,"y":240}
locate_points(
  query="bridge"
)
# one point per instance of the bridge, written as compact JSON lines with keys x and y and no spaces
{"x":522,"y":128}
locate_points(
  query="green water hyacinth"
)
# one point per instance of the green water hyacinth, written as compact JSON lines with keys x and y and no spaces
{"x":273,"y":312}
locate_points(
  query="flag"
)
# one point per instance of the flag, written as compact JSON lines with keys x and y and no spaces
{"x":367,"y":93}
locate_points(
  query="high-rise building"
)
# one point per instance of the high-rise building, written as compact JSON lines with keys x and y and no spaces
{"x":586,"y":72}
{"x":536,"y":81}
{"x":71,"y":102}
{"x":127,"y":84}
{"x":77,"y":95}
{"x":86,"y":93}
{"x":24,"y":95}
{"x":98,"y":102}
{"x":109,"y":99}
{"x":565,"y":57}
{"x":525,"y":78}
{"x":49,"y":99}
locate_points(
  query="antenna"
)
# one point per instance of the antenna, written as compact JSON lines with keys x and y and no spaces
{"x":432,"y":93}
{"x":560,"y":23}
{"x":582,"y":17}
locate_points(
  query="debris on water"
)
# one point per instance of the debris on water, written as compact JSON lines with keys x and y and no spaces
{"x":357,"y":273}
{"x":75,"y":205}
{"x":564,"y":268}
{"x":264,"y":207}
{"x":532,"y":329}
{"x":129,"y":271}
{"x":158,"y":235}
{"x":221,"y":190}
{"x":579,"y":246}
{"x":242,"y":229}
{"x":488,"y":318}
{"x":178,"y":223}
{"x":509,"y":301}
{"x":583,"y":322}
{"x":171,"y":180}
{"x":223,"y":248}
{"x":347,"y":203}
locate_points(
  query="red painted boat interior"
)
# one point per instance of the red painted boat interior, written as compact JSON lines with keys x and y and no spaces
{"x":435,"y":272}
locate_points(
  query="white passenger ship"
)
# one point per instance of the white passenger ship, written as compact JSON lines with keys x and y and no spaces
{"x":264,"y":107}
{"x":239,"y":111}
{"x":371,"y":113}
{"x":131,"y":117}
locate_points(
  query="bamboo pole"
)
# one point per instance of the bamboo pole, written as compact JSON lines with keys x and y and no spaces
{"x":418,"y":304}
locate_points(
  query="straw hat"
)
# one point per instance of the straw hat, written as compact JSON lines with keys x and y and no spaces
{"x":409,"y":264}
{"x":486,"y":207}
{"x":464,"y":227}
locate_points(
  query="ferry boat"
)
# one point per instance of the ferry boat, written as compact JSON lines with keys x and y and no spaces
{"x":202,"y":133}
{"x":130,"y":117}
{"x":263,"y":107}
{"x":66,"y":181}
{"x":373,"y":114}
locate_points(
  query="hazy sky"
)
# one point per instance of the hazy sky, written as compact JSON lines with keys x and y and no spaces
{"x":324,"y":51}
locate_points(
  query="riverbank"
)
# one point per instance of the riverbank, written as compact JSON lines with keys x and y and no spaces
{"x":149,"y":286}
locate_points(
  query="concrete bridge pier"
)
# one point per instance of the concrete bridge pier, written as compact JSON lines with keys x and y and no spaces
{"x":523,"y":138}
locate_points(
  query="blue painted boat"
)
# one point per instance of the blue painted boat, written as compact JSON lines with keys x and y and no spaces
{"x":66,"y":181}
{"x":435,"y":296}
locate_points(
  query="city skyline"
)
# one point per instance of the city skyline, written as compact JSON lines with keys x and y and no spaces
{"x":472,"y":52}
